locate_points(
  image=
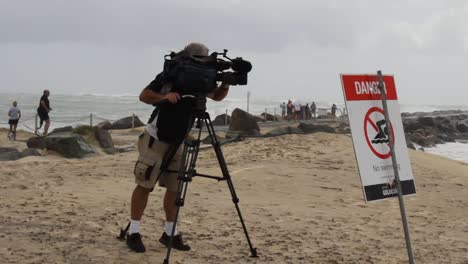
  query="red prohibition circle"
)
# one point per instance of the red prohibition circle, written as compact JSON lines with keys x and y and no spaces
{"x":366,"y":120}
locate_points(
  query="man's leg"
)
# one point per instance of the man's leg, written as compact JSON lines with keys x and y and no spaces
{"x":46,"y":128}
{"x":138,"y":205}
{"x":14,"y":131}
{"x":139,"y":200}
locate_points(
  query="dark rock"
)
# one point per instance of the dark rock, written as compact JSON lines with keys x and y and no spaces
{"x":69,"y":146}
{"x":105,"y":125}
{"x":110,"y":151}
{"x":244,"y":123}
{"x":126,"y":123}
{"x":9,"y":154}
{"x":268,"y":117}
{"x":207,"y":139}
{"x":258,"y":118}
{"x":462,"y":126}
{"x":410,"y":145}
{"x":279,"y":131}
{"x":426,"y":120}
{"x":313,"y":128}
{"x":30,"y":152}
{"x":103,"y":137}
{"x":424,"y":141}
{"x":36,"y":142}
{"x":62,"y":130}
{"x":221,"y":120}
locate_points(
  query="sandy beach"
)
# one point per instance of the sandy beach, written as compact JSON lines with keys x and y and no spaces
{"x":300,"y":195}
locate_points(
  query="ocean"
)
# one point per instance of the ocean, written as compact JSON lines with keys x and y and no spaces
{"x":77,"y":109}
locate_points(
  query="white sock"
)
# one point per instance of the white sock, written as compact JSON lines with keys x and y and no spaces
{"x":168,"y":228}
{"x":134,"y":227}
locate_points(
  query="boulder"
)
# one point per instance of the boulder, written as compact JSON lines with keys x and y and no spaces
{"x":36,"y":143}
{"x":424,"y":141}
{"x":207,"y":139}
{"x":105,"y":125}
{"x":426,"y":120}
{"x":462,"y":126}
{"x":244,"y":123}
{"x":279,"y":131}
{"x":62,"y":130}
{"x":313,"y":128}
{"x":126,"y":123}
{"x":103,"y":137}
{"x":9,"y":154}
{"x":221,"y":120}
{"x":67,"y":145}
{"x":268,"y":117}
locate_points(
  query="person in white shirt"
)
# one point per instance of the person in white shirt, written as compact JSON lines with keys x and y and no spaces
{"x":297,"y":110}
{"x":14,"y":115}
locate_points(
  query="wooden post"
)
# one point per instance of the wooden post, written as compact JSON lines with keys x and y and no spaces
{"x":35,"y":124}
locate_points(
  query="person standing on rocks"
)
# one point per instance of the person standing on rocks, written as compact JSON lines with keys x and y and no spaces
{"x":297,"y":110}
{"x":283,"y":110}
{"x":290,"y":110}
{"x":169,"y":121}
{"x":14,"y":115}
{"x":43,"y":111}
{"x":333,"y":111}
{"x":313,"y":110}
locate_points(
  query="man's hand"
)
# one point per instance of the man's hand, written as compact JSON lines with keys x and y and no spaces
{"x":172,"y":97}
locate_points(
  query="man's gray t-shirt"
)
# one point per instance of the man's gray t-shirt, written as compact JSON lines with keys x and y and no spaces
{"x":14,"y":113}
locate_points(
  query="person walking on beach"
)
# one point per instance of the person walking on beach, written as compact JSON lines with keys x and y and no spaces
{"x":283,"y":110}
{"x":14,"y":115}
{"x":43,"y":111}
{"x":168,"y":123}
{"x":333,"y":111}
{"x":313,"y":110}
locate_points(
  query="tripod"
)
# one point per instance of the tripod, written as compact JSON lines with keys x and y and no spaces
{"x":187,"y":171}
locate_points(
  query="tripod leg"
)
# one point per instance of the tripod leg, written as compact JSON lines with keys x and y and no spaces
{"x":186,"y":172}
{"x":227,"y":177}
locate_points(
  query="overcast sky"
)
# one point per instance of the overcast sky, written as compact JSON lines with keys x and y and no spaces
{"x":298,"y":48}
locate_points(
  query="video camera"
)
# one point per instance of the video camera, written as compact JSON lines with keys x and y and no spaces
{"x":198,"y":75}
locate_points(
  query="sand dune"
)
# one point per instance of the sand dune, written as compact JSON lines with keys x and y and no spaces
{"x":300,"y":195}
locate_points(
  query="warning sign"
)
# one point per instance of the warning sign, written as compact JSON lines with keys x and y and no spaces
{"x":371,"y":137}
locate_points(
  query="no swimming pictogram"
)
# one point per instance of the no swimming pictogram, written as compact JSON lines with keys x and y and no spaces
{"x":376,"y":132}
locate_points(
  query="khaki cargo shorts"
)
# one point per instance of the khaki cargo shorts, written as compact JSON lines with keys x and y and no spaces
{"x":147,"y":167}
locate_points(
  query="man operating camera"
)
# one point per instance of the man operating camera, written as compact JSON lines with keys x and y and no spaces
{"x":169,"y":122}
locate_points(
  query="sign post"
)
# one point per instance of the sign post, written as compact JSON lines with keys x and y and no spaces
{"x":377,"y":132}
{"x":395,"y":170}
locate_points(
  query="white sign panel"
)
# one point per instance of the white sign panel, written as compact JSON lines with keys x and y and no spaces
{"x":371,"y":138}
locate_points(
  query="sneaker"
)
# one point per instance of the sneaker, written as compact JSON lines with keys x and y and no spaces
{"x":134,"y":243}
{"x":177,"y":242}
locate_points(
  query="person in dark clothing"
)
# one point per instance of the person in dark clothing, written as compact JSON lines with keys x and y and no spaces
{"x":307,"y":111}
{"x":43,"y":111}
{"x":333,"y":111}
{"x":290,"y":107}
{"x":169,"y":123}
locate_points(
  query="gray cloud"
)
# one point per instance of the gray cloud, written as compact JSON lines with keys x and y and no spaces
{"x":298,"y":47}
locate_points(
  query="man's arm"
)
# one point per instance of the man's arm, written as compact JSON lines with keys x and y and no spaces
{"x":45,"y":106}
{"x":219,"y":93}
{"x":151,"y":97}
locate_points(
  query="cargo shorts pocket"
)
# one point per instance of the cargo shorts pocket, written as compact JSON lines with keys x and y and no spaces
{"x":143,"y":169}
